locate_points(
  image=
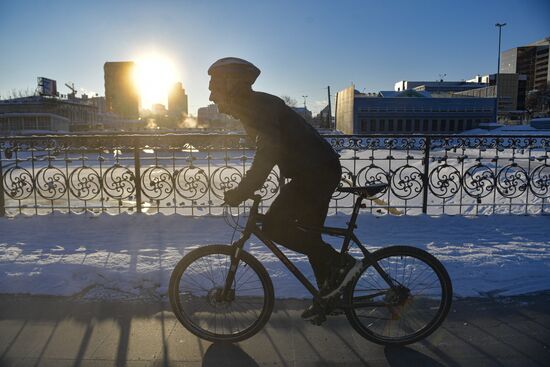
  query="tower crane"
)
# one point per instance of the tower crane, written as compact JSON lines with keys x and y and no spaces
{"x":71,"y":95}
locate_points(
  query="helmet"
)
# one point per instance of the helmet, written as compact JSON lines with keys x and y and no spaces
{"x":235,"y":66}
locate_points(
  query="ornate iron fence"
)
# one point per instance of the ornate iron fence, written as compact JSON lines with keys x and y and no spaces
{"x":188,"y":174}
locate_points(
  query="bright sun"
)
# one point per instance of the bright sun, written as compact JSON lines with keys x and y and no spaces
{"x":154,"y":75}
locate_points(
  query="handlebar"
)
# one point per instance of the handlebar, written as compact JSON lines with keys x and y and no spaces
{"x":255,"y":197}
{"x":253,"y":218}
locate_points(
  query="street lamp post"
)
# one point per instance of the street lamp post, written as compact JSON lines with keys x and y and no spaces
{"x":499,"y":25}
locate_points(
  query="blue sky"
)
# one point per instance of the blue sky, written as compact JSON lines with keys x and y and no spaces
{"x":300,"y":46}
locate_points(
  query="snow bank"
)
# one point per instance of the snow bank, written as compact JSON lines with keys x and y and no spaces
{"x":131,"y":256}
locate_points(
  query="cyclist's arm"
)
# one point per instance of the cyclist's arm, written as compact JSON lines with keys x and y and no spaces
{"x":263,"y":163}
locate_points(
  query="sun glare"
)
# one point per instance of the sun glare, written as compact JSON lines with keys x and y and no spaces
{"x":154,"y":75}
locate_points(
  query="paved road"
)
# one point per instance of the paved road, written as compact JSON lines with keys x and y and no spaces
{"x":53,"y":331}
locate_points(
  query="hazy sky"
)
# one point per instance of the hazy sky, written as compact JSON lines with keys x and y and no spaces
{"x":300,"y":46}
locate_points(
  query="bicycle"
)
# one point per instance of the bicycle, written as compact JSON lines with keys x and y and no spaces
{"x":222,"y":293}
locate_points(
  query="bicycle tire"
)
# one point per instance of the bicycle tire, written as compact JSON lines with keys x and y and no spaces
{"x":388,"y":258}
{"x":185,"y":304}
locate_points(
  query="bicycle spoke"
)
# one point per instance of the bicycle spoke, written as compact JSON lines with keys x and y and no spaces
{"x":403,"y":311}
{"x":200,"y":285}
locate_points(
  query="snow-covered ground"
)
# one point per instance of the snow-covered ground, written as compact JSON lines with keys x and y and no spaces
{"x":131,"y":256}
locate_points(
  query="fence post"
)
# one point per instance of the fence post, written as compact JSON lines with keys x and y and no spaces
{"x":137,"y":175}
{"x":2,"y":202}
{"x":427,"y":148}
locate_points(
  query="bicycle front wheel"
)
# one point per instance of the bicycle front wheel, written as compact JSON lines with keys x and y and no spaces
{"x":408,"y":312}
{"x":195,"y":294}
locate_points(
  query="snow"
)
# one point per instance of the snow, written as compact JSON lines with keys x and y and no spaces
{"x":131,"y":256}
{"x":507,"y":130}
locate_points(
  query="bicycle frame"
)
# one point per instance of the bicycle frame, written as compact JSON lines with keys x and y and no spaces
{"x":252,"y":228}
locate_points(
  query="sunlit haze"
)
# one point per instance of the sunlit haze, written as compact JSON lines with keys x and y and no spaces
{"x":155,"y":74}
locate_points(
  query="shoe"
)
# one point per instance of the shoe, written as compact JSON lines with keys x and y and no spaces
{"x":331,"y":308}
{"x":318,"y":320}
{"x":313,"y":310}
{"x":341,"y":276}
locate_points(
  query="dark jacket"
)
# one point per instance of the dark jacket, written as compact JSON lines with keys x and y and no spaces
{"x":283,"y":138}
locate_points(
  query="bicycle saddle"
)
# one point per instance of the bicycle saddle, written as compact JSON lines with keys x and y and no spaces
{"x":365,"y":191}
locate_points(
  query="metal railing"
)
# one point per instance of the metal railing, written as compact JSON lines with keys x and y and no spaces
{"x":188,"y":174}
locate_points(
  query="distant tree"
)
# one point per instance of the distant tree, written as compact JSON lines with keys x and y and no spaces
{"x":531,"y":101}
{"x":545,"y":99}
{"x":289,"y":101}
{"x":537,"y":101}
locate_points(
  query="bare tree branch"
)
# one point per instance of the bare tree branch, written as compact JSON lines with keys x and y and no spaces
{"x":289,"y":101}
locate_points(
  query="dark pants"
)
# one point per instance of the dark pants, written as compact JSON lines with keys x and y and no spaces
{"x":305,"y":200}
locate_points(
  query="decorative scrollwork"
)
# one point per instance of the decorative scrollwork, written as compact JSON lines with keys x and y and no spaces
{"x":370,"y":175}
{"x":51,"y":183}
{"x":118,"y":182}
{"x":354,"y":143}
{"x":337,"y":143}
{"x":204,"y":166}
{"x":346,"y":180}
{"x":437,"y":143}
{"x":444,"y":181}
{"x":270,"y":187}
{"x":223,"y":179}
{"x":408,"y":143}
{"x":85,"y":183}
{"x":478,"y":181}
{"x":407,"y":182}
{"x":512,"y":181}
{"x":453,"y":143}
{"x":18,"y":183}
{"x":156,"y":183}
{"x":473,"y":143}
{"x":390,"y":143}
{"x":540,"y":181}
{"x":191,"y":182}
{"x":490,"y":143}
{"x":373,"y":143}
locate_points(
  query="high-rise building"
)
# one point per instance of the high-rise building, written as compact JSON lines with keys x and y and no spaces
{"x":121,"y":94}
{"x":531,"y":60}
{"x":177,"y":101}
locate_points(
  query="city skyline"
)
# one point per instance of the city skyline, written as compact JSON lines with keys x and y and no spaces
{"x":300,"y":48}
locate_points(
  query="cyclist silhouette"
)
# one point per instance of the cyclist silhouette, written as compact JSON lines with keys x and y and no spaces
{"x":285,"y":139}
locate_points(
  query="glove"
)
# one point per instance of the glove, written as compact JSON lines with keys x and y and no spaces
{"x":233,"y":197}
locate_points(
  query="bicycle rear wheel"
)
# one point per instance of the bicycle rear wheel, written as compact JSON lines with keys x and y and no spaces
{"x":404,"y":315}
{"x":195,"y":294}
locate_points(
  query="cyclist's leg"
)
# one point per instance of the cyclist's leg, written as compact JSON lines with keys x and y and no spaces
{"x":304,"y":201}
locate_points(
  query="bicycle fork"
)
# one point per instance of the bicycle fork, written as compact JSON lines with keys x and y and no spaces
{"x":228,"y":292}
{"x":237,"y":248}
